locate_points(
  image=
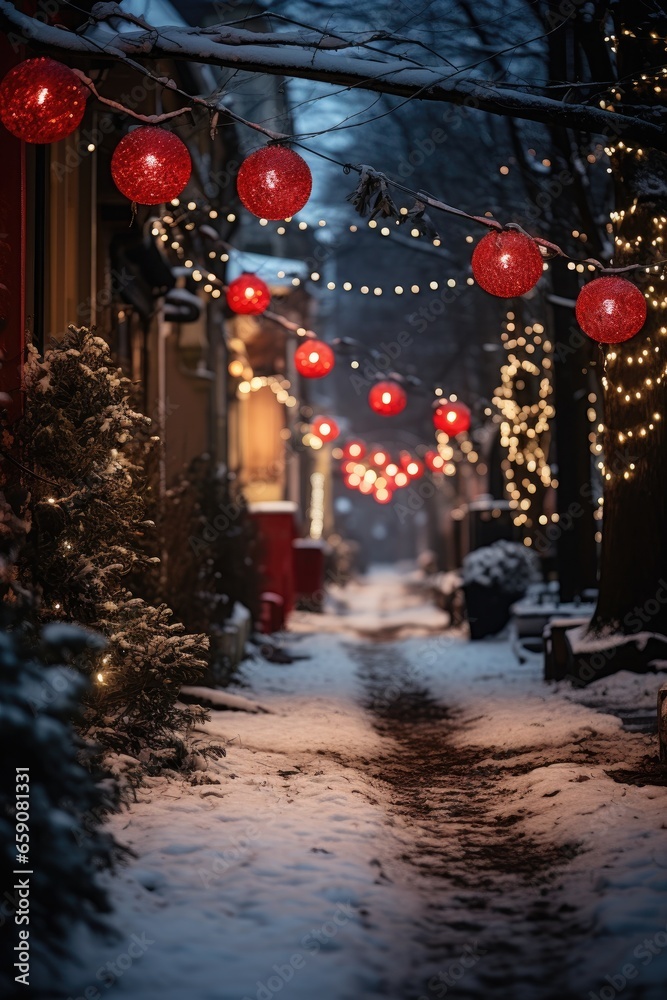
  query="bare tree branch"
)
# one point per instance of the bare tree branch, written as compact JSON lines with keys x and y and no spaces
{"x":299,"y":55}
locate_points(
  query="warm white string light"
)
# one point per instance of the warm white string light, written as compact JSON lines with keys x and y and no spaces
{"x":524,"y":427}
{"x":643,"y":358}
{"x":278,"y":384}
{"x":161,"y":229}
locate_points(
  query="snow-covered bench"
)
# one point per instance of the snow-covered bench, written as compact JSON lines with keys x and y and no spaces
{"x":662,"y":722}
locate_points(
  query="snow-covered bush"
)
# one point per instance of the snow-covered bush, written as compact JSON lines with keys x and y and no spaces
{"x":65,"y":804}
{"x":85,"y":446}
{"x":505,"y":566}
{"x":210,"y":541}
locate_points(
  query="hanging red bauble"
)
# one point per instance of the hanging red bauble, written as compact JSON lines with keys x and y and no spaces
{"x":42,"y":100}
{"x":451,"y":417}
{"x":387,"y":398}
{"x":379,"y":458}
{"x":325,"y":428}
{"x":150,"y":165}
{"x":274,"y":182}
{"x":313,"y":358}
{"x":248,"y":295}
{"x":610,"y":310}
{"x":383,"y":495}
{"x":435,"y":461}
{"x":354,"y":449}
{"x":414,"y":468}
{"x":506,"y":263}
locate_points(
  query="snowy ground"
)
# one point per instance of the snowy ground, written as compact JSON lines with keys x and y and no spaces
{"x":400,"y":814}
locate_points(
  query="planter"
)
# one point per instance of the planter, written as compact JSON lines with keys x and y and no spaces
{"x":488,"y":609}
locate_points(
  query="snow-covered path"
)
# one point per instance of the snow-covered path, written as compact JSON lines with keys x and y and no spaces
{"x":406,"y":815}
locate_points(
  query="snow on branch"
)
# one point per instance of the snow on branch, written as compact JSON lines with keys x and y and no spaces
{"x":317,"y":56}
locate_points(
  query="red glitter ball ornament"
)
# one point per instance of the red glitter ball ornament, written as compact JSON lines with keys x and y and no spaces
{"x":248,"y":295}
{"x":610,"y":310}
{"x":414,"y":468}
{"x":314,"y":358}
{"x":451,"y":417}
{"x":274,"y":182}
{"x":506,"y":263}
{"x":42,"y":100}
{"x":434,"y":461}
{"x":387,"y":398}
{"x":325,"y":428}
{"x":150,"y":165}
{"x":379,"y":458}
{"x":354,"y":449}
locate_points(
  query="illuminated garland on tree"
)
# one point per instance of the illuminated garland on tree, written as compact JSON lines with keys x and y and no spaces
{"x":524,"y":402}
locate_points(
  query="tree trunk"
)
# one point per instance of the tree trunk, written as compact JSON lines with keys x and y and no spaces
{"x":576,"y":554}
{"x":633,"y":591}
{"x":634,"y":540}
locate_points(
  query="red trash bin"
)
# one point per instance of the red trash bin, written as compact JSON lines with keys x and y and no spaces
{"x":272,"y":613}
{"x":275,"y":521}
{"x":309,"y":573}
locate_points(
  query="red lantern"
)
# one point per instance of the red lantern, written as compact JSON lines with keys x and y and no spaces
{"x":354,"y":449}
{"x":313,"y":358}
{"x":507,"y":263}
{"x":42,"y":100}
{"x":610,"y":310}
{"x":435,"y":461}
{"x":274,"y":182}
{"x":451,"y":417}
{"x":387,"y":398}
{"x":150,"y":165}
{"x":379,"y":458}
{"x":248,"y":295}
{"x":414,"y":468}
{"x":325,"y":428}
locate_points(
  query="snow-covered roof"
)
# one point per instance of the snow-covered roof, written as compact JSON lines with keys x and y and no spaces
{"x":273,"y":507}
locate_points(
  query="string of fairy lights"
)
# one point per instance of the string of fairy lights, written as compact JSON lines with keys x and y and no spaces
{"x":215,"y":286}
{"x":645,"y":362}
{"x":529,"y":452}
{"x":524,"y":402}
{"x":167,"y":230}
{"x":525,"y":425}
